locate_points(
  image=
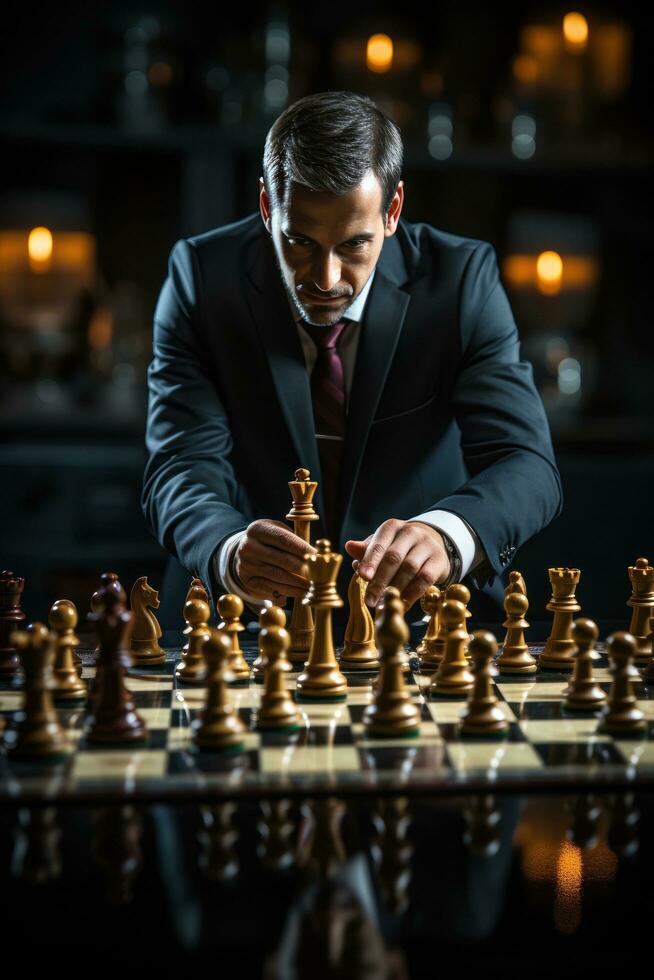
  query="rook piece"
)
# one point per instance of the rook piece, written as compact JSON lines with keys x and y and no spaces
{"x":192,"y":667}
{"x":269,"y":617}
{"x":621,"y":716}
{"x":583,"y":693}
{"x":219,"y":726}
{"x":39,"y":734}
{"x":11,"y":617}
{"x":430,"y":655}
{"x":483,"y":715}
{"x":230,"y":610}
{"x":115,"y":718}
{"x":144,"y":640}
{"x":359,"y":650}
{"x":453,"y":676}
{"x":515,"y":657}
{"x":67,"y":682}
{"x":301,"y":514}
{"x":392,"y":712}
{"x":321,"y":680}
{"x":641,"y":576}
{"x":560,"y":647}
{"x":277,"y":709}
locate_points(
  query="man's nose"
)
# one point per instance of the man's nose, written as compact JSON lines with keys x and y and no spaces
{"x":326,"y":272}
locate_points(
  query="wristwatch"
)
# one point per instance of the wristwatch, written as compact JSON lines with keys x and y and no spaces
{"x":456,"y":565}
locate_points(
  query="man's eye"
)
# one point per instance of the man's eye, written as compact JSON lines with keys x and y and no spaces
{"x":358,"y":243}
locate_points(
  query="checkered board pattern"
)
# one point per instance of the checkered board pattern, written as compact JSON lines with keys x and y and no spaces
{"x":545,"y":744}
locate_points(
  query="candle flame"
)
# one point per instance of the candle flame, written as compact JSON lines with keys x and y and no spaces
{"x":39,"y":244}
{"x":379,"y":53}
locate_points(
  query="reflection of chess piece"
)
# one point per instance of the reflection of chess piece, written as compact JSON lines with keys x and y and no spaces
{"x":269,"y":617}
{"x":320,"y":848}
{"x":218,"y":858}
{"x":392,"y":712}
{"x":641,"y":576}
{"x":321,"y":679}
{"x":67,"y":683}
{"x":359,"y":649}
{"x":11,"y":618}
{"x":38,"y":734}
{"x":584,"y":827}
{"x":623,"y":828}
{"x":145,"y":634}
{"x":117,"y":849}
{"x":230,"y":610}
{"x":583,"y":693}
{"x":276,"y":829}
{"x":301,"y":514}
{"x":192,"y":668}
{"x":392,"y":851}
{"x":482,"y":816}
{"x":621,"y":715}
{"x":37,"y":857}
{"x":559,"y":650}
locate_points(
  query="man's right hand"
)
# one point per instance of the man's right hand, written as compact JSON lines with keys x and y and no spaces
{"x":269,"y":559}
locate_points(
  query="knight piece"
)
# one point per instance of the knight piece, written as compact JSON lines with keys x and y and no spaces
{"x":359,"y":648}
{"x":560,"y":648}
{"x":11,"y":618}
{"x":144,"y":641}
{"x":321,"y":679}
{"x":641,"y":576}
{"x":302,"y":513}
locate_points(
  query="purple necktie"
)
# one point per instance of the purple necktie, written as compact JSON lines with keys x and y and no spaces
{"x":328,"y":395}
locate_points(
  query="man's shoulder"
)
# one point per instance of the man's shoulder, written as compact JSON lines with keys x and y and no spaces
{"x":423,"y":242}
{"x":242,"y":230}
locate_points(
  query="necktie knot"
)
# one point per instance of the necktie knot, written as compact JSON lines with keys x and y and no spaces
{"x":325,"y":337}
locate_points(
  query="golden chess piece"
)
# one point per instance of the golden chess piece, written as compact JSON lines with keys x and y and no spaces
{"x":67,"y":683}
{"x":277,"y":710}
{"x":482,"y":715}
{"x":39,"y":734}
{"x":621,"y":715}
{"x":219,"y":727}
{"x":230,"y":610}
{"x":269,"y":617}
{"x":453,"y":677}
{"x":392,"y":712}
{"x":460,"y":593}
{"x":321,"y":679}
{"x":641,"y":576}
{"x":560,"y":648}
{"x":583,"y":693}
{"x":428,"y":650}
{"x":146,"y":632}
{"x":301,"y":514}
{"x":515,"y":657}
{"x":648,"y":670}
{"x":359,"y":648}
{"x":516,"y":583}
{"x":192,"y":668}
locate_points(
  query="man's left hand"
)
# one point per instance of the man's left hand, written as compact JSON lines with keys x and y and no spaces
{"x":407,"y":554}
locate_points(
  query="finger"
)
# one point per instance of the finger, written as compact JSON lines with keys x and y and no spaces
{"x":391,"y":562}
{"x":253,"y":550}
{"x":411,"y":566}
{"x":377,"y":546}
{"x":432,"y":570}
{"x":273,"y":573}
{"x":278,"y":535}
{"x":262,"y":588}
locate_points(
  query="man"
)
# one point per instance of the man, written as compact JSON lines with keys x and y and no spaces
{"x":327,"y":332}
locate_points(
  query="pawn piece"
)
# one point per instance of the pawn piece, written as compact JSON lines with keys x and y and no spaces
{"x":277,"y":710}
{"x":559,"y":650}
{"x":436,"y":647}
{"x":583,"y":693}
{"x":453,"y":676}
{"x":431,"y":603}
{"x":196,"y":591}
{"x":482,"y":714}
{"x":144,"y":639}
{"x":67,"y":684}
{"x":641,"y":576}
{"x":359,"y":650}
{"x":269,"y":617}
{"x":392,"y":713}
{"x":515,"y":657}
{"x":11,"y":619}
{"x":115,"y":719}
{"x":321,"y":680}
{"x":39,"y":734}
{"x":230,"y":610}
{"x":219,"y":727}
{"x":192,"y":667}
{"x":460,"y":593}
{"x":621,"y":716}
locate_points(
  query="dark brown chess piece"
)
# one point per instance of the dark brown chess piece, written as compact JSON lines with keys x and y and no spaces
{"x":11,"y":619}
{"x":648,"y":670}
{"x":192,"y":668}
{"x":146,"y":632}
{"x":96,"y":602}
{"x":39,"y":734}
{"x":67,"y":684}
{"x":269,"y":617}
{"x":482,"y":714}
{"x":219,"y":726}
{"x":302,"y":513}
{"x":453,"y":677}
{"x":277,"y":710}
{"x":583,"y":693}
{"x":115,"y":719}
{"x":559,"y":650}
{"x":641,"y":576}
{"x":321,"y":679}
{"x":230,"y":610}
{"x":622,"y":716}
{"x":117,"y":849}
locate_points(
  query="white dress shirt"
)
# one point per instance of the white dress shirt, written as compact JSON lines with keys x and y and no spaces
{"x":459,"y":531}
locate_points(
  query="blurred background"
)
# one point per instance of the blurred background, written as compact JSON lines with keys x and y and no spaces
{"x":127,"y":126}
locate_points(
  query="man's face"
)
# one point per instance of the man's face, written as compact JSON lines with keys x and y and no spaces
{"x":327,"y":246}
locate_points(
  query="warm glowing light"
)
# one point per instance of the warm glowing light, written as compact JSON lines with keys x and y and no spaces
{"x":567,"y":900}
{"x":39,"y":245}
{"x":575,"y":29}
{"x":379,"y":53}
{"x":549,"y":271}
{"x":525,"y":69}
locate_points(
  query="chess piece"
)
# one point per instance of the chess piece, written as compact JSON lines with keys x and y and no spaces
{"x":621,"y":716}
{"x":67,"y":684}
{"x":219,"y":727}
{"x":219,"y":857}
{"x":196,"y":591}
{"x":192,"y":668}
{"x":559,"y":650}
{"x":11,"y":619}
{"x":516,"y":583}
{"x":648,"y":670}
{"x":301,"y":514}
{"x":38,"y":734}
{"x":96,"y":603}
{"x":429,"y":654}
{"x":453,"y":677}
{"x":392,"y":851}
{"x":144,"y":640}
{"x":115,"y":718}
{"x":321,"y":679}
{"x":515,"y":657}
{"x":641,"y":576}
{"x":276,"y":829}
{"x":230,"y":610}
{"x":482,"y":714}
{"x":359,"y":650}
{"x":277,"y":709}
{"x":460,"y":593}
{"x":436,"y":647}
{"x":583,"y":693}
{"x":392,"y":712}
{"x":269,"y":617}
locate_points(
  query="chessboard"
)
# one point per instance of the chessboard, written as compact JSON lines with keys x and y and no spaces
{"x":546,"y":746}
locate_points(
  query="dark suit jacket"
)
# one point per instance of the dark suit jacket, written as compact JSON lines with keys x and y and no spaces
{"x":443,"y":412}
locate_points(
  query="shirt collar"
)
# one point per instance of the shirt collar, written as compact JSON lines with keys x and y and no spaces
{"x":355,"y":312}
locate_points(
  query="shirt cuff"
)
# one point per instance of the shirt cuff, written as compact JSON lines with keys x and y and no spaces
{"x":223,"y":573}
{"x":460,"y":533}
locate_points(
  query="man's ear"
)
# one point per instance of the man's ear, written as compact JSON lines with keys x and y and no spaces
{"x":264,"y":205}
